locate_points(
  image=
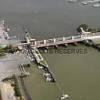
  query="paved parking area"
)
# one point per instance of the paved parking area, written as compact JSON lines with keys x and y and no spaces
{"x":9,"y":64}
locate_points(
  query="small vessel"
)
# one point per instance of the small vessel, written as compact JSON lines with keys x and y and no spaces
{"x":64,"y":96}
{"x":96,"y":5}
{"x":40,"y":67}
{"x":84,"y":3}
{"x":72,"y":1}
{"x":47,"y":74}
{"x":48,"y":77}
{"x":90,"y":1}
{"x":94,"y":1}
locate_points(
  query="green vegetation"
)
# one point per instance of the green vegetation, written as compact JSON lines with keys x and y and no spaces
{"x":7,"y":79}
{"x":28,"y":35}
{"x":84,"y":26}
{"x":7,"y":49}
{"x":43,"y":62}
{"x":37,"y":52}
{"x":87,"y":28}
{"x":2,"y":52}
{"x":0,"y":95}
{"x":98,"y":30}
{"x":93,"y":30}
{"x":10,"y":49}
{"x":16,"y":87}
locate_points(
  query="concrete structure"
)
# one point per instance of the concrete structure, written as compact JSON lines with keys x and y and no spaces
{"x":61,"y":40}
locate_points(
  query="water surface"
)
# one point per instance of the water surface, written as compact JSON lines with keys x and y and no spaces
{"x":77,"y":74}
{"x":47,"y":18}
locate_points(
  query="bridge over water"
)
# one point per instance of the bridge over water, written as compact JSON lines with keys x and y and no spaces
{"x":61,"y":40}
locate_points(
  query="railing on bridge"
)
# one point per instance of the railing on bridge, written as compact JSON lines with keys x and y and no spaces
{"x":62,"y":40}
{"x":56,"y":41}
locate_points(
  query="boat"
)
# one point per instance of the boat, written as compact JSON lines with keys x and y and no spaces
{"x":93,"y":1}
{"x":48,"y":77}
{"x":72,"y":1}
{"x":40,"y":67}
{"x":84,"y":3}
{"x":47,"y":74}
{"x":96,"y":5}
{"x":64,"y":96}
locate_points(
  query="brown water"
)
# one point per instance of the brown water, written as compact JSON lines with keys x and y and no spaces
{"x":47,"y":18}
{"x":77,"y":74}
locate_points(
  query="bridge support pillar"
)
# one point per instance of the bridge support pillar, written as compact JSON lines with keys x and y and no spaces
{"x":63,"y":38}
{"x":81,"y":36}
{"x":35,"y":43}
{"x":44,"y":41}
{"x":54,"y":40}
{"x":72,"y":37}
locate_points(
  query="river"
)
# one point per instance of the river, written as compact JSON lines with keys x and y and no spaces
{"x":77,"y":74}
{"x":47,"y":18}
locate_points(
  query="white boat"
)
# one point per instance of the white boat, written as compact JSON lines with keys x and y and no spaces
{"x":48,"y":79}
{"x":64,"y":96}
{"x":46,"y":74}
{"x":40,"y":67}
{"x":93,"y":1}
{"x":84,"y":3}
{"x":96,"y":5}
{"x":72,"y":1}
